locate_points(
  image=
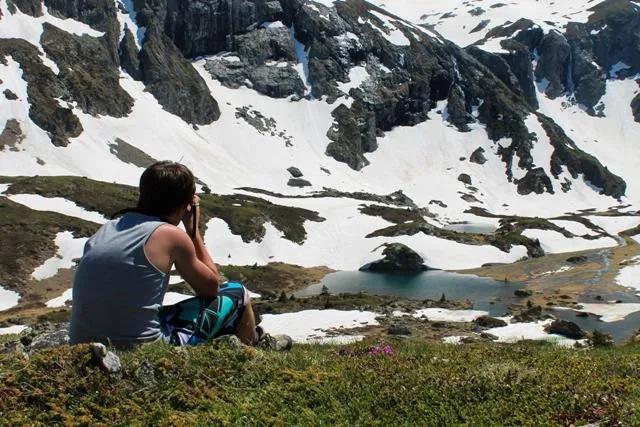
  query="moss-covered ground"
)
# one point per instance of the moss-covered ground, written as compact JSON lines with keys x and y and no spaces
{"x":419,"y":384}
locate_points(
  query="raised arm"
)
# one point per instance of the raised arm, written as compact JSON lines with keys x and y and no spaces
{"x":192,"y":259}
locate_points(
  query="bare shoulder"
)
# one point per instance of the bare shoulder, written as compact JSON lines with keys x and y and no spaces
{"x":171,"y":235}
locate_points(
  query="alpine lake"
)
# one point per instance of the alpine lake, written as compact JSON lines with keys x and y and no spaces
{"x":486,"y":294}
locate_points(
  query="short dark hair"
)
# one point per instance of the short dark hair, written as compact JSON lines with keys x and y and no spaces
{"x":164,"y":187}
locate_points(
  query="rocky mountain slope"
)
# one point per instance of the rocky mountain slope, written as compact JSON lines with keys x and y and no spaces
{"x":384,"y":123}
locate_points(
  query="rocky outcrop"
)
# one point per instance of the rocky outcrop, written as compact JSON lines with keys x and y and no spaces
{"x":489,"y":322}
{"x":398,"y":258}
{"x":566,"y":328}
{"x":98,"y":14}
{"x":88,"y":71}
{"x":298,"y":182}
{"x":578,"y":162}
{"x":294,"y":171}
{"x":464,"y":178}
{"x":353,"y":134}
{"x":43,"y":90}
{"x":266,"y":58}
{"x":478,"y":156}
{"x":29,"y":7}
{"x":553,"y":64}
{"x":173,"y":81}
{"x":128,"y":54}
{"x":635,"y":108}
{"x":535,"y":181}
{"x":207,"y":27}
{"x":9,"y":95}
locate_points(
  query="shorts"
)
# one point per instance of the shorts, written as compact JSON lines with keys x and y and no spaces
{"x":196,"y":320}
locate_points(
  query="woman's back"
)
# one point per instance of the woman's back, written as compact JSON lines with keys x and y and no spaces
{"x":117,"y":292}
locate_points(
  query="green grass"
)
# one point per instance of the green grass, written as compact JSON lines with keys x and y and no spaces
{"x":480,"y":384}
{"x":245,"y":215}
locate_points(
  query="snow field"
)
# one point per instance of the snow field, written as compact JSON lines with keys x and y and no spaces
{"x":61,"y":300}
{"x":57,"y":204}
{"x":629,"y":275}
{"x":554,"y":242}
{"x":67,"y":249}
{"x":8,"y":299}
{"x":311,"y":326}
{"x":445,"y":315}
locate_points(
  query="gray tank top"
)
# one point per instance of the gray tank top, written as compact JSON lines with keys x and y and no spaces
{"x":117,"y":292}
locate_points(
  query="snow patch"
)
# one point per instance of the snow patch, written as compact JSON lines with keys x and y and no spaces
{"x":445,"y":315}
{"x":67,"y":249}
{"x":57,"y":204}
{"x":528,"y":331}
{"x":610,"y":312}
{"x":629,"y":275}
{"x":554,"y":242}
{"x":61,"y":300}
{"x":15,"y":329}
{"x":8,"y":298}
{"x":311,"y":326}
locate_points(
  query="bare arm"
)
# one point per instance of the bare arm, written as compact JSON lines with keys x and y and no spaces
{"x":192,"y":258}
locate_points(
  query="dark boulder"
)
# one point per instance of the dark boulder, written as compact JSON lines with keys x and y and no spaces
{"x":10,"y":95}
{"x":174,"y":82}
{"x":566,"y":328}
{"x":276,"y":82}
{"x":398,"y":330}
{"x":535,"y":181}
{"x":294,"y":171}
{"x":635,"y":108}
{"x":489,"y":322}
{"x":397,"y":258}
{"x":523,"y":293}
{"x":464,"y":178}
{"x":298,"y":182}
{"x":478,"y":156}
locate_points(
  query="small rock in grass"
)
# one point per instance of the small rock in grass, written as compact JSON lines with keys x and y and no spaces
{"x":104,"y":358}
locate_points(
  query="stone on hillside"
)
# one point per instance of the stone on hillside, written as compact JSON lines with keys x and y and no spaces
{"x":231,"y":341}
{"x":298,"y":182}
{"x":635,"y":108}
{"x":397,"y":258}
{"x":464,"y":178}
{"x":535,"y":181}
{"x":488,"y":336}
{"x":294,"y":171}
{"x":276,"y":82}
{"x":478,"y":156}
{"x":523,"y":293}
{"x":489,"y":322}
{"x":579,"y":259}
{"x":279,"y":342}
{"x":105,"y":359}
{"x":566,"y":328}
{"x":398,"y":330}
{"x":10,"y":95}
{"x":50,"y":339}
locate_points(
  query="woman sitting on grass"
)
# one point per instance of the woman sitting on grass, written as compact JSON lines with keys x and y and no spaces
{"x":123,"y":275}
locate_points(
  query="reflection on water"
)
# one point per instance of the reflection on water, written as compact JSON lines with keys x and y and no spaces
{"x":469,"y":227}
{"x":485,"y":294}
